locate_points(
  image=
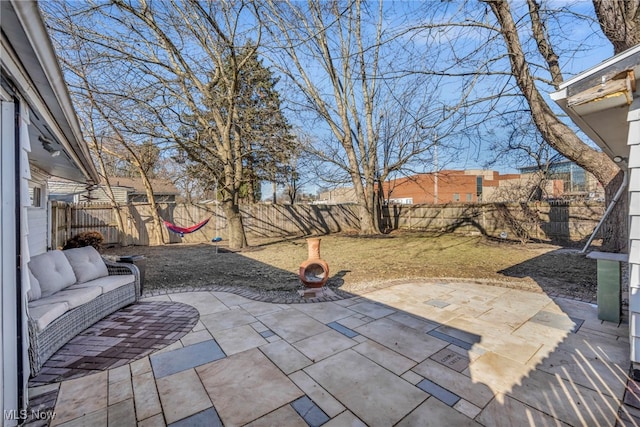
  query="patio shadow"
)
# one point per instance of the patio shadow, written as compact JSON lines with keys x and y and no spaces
{"x":417,"y":351}
{"x":560,"y":272}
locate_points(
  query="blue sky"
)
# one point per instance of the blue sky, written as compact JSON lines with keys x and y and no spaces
{"x":573,"y":34}
{"x":582,"y":46}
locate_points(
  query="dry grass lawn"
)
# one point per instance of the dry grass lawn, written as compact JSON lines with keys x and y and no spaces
{"x":360,"y":263}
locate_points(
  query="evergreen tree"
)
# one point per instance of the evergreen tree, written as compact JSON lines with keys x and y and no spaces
{"x":265,"y":135}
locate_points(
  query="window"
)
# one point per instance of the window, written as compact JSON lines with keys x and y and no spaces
{"x":469,"y":197}
{"x":456,"y":197}
{"x":402,"y":201}
{"x":35,"y":196}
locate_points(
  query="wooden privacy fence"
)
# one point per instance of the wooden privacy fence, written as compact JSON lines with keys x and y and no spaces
{"x":543,"y":221}
{"x":555,"y":222}
{"x":260,"y":220}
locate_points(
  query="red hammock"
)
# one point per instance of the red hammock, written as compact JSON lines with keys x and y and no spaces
{"x":185,"y":230}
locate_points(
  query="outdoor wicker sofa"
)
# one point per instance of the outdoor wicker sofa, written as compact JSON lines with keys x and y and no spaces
{"x":70,"y":291}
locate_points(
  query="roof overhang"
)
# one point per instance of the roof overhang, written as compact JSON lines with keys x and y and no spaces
{"x":598,"y":100}
{"x":30,"y":66}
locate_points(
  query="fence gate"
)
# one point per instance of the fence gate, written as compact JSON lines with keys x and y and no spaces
{"x":94,"y":217}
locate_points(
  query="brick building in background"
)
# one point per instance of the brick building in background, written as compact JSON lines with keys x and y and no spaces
{"x":448,"y":186}
{"x":564,"y":180}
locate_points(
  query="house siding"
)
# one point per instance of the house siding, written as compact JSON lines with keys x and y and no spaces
{"x":74,"y":192}
{"x":634,"y":229}
{"x":99,"y":195}
{"x":38,"y":217}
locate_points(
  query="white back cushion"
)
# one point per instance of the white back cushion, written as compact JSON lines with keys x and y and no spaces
{"x":53,"y":272}
{"x":34,"y":293}
{"x":87,"y":263}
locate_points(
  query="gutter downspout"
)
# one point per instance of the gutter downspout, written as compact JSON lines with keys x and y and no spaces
{"x":625,"y":179}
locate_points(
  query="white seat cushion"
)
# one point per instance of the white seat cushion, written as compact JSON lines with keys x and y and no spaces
{"x":108,"y":283}
{"x":47,"y":313}
{"x":87,"y":263}
{"x":53,"y":272}
{"x":72,"y":297}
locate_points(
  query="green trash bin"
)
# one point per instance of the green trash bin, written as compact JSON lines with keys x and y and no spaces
{"x":140,"y":262}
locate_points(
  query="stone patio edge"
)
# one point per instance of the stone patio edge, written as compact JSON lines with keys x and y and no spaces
{"x":292,"y":297}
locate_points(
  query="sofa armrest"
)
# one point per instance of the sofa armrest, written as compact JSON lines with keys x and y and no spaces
{"x":121,"y":268}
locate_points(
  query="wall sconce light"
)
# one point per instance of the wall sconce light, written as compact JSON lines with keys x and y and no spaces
{"x":47,"y":144}
{"x":618,"y":159}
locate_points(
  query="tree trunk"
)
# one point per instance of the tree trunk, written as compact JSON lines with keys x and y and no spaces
{"x":274,"y":190}
{"x":366,"y":214}
{"x":157,"y":236}
{"x":620,"y":22}
{"x":367,"y":222}
{"x":122,"y":234}
{"x":237,"y":237}
{"x":372,"y":222}
{"x":555,"y":132}
{"x":614,"y":230}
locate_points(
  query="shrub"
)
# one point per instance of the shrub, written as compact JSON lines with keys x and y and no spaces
{"x":87,"y":238}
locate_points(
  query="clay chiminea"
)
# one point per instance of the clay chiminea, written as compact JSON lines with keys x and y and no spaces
{"x":314,"y":272}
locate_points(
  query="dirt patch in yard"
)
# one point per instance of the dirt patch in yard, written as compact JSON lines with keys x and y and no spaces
{"x":362,"y":263}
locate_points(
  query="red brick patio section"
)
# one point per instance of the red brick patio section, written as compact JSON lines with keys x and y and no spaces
{"x":120,"y":338}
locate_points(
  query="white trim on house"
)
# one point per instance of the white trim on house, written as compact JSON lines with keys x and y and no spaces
{"x":25,"y":229}
{"x":595,"y":70}
{"x":606,"y":91}
{"x":8,"y":260}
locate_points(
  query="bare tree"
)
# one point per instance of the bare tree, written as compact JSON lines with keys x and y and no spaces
{"x":560,"y":136}
{"x":107,"y":141}
{"x":297,"y":173}
{"x":523,"y":145}
{"x":161,"y":59}
{"x":515,"y":53}
{"x":92,"y":133}
{"x":368,"y":121}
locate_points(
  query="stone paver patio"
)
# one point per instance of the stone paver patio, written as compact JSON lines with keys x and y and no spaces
{"x":413,"y":354}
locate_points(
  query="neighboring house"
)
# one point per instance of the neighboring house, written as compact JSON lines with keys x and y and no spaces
{"x":40,"y":137}
{"x":446,"y":186}
{"x":604,"y":103}
{"x":125,"y":190}
{"x":337,"y":196}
